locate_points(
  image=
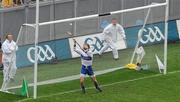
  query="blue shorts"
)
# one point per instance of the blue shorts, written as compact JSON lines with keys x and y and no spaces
{"x":87,"y":70}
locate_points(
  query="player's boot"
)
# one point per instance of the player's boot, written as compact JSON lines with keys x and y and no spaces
{"x":97,"y":86}
{"x":83,"y":89}
{"x":99,"y":89}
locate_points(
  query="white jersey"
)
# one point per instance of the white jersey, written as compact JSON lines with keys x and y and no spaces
{"x":9,"y":49}
{"x":111,"y":32}
{"x":86,"y":57}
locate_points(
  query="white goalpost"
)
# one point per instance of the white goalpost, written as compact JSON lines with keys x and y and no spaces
{"x":40,"y":52}
{"x":36,"y":50}
{"x":166,"y":35}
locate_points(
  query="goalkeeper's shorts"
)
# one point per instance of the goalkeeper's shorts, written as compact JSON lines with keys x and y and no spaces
{"x":87,"y":70}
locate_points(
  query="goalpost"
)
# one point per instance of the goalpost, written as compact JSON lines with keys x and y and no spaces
{"x":42,"y":54}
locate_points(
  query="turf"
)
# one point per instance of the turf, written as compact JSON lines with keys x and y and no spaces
{"x":72,"y":66}
{"x":156,"y":89}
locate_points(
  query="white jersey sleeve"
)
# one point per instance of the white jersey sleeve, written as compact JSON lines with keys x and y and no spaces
{"x":15,"y":46}
{"x":107,"y":34}
{"x":78,"y":50}
{"x":121,"y":30}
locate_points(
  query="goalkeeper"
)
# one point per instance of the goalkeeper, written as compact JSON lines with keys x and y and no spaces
{"x":86,"y":60}
{"x":111,"y":36}
{"x":9,"y":49}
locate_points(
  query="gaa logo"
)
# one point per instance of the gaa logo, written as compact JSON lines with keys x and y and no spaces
{"x":44,"y":53}
{"x":95,"y":42}
{"x":150,"y":35}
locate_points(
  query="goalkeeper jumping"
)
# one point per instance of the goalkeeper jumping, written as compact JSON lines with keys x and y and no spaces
{"x":86,"y":60}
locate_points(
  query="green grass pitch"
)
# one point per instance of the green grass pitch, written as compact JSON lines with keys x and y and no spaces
{"x":118,"y":86}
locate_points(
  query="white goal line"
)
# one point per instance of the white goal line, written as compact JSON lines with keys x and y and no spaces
{"x":68,"y":78}
{"x":153,"y":5}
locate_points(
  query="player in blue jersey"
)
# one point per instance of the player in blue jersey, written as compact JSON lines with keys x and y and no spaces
{"x":86,"y":60}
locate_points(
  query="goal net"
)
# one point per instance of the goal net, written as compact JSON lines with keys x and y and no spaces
{"x":142,"y":49}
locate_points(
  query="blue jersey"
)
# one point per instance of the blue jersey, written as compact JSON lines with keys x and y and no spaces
{"x":86,"y":60}
{"x":86,"y":57}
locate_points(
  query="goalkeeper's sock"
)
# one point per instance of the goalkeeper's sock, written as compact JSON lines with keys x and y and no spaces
{"x":97,"y":86}
{"x":83,"y":88}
